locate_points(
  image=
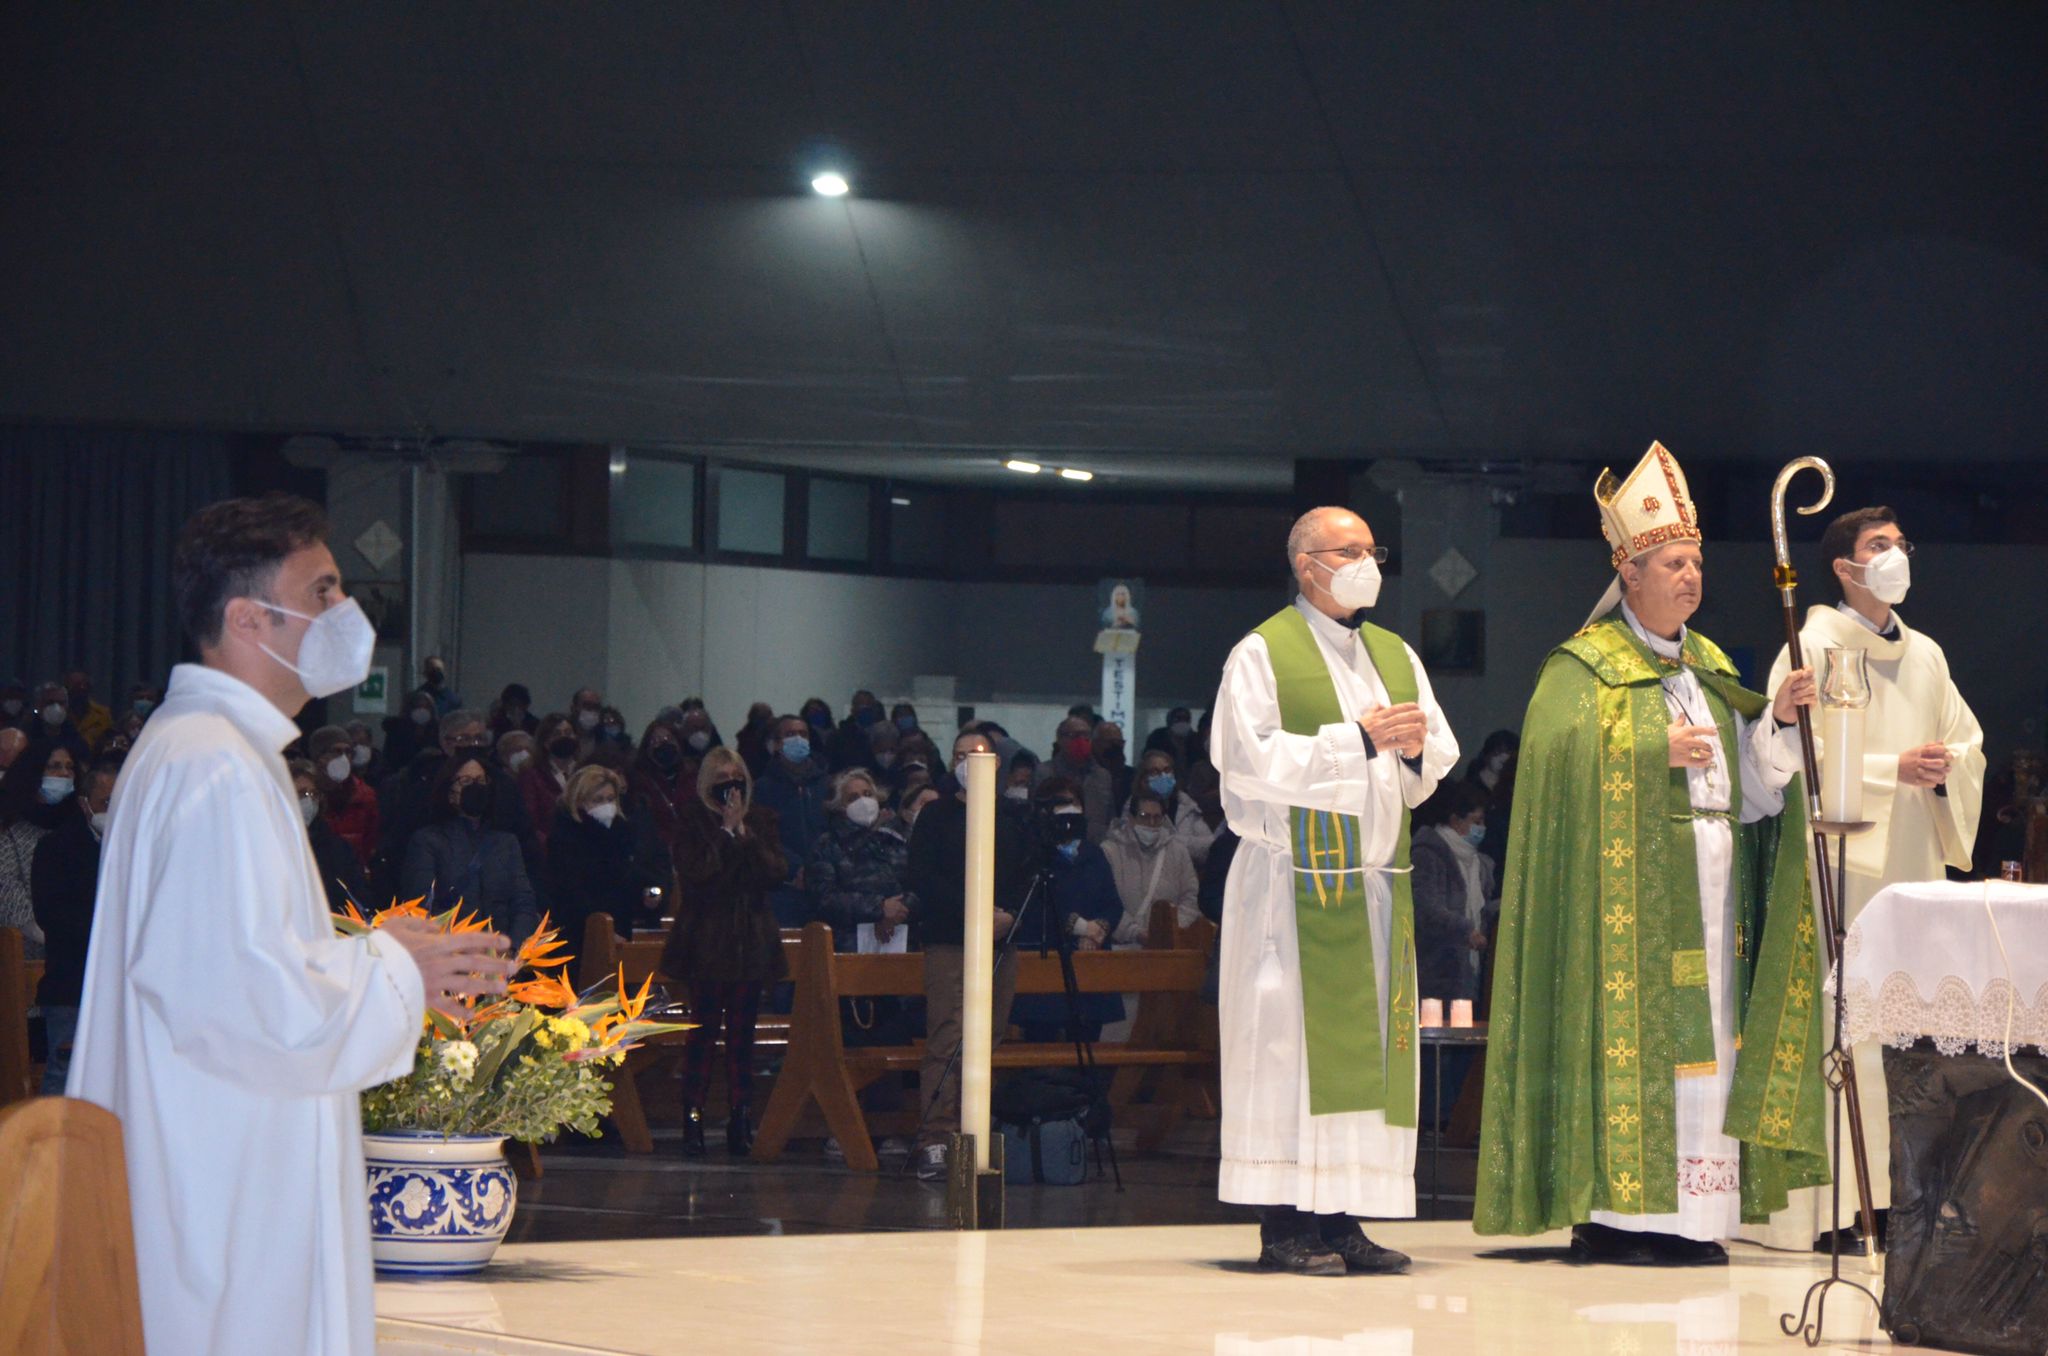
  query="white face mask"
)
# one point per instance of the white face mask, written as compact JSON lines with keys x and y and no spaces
{"x":586,"y":719}
{"x":864,"y":811}
{"x":605,"y":813}
{"x":517,"y":759}
{"x":309,"y":809}
{"x":1888,"y":575}
{"x":1148,"y":835}
{"x":421,"y":715}
{"x":1017,"y":793}
{"x":54,"y":714}
{"x":1354,"y":585}
{"x":699,"y":740}
{"x":337,"y":768}
{"x":359,"y":755}
{"x":99,"y":823}
{"x":334,"y":654}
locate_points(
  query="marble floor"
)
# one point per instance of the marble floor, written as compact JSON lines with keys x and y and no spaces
{"x":1133,"y":1291}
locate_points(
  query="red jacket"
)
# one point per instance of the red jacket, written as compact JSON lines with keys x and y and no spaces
{"x":353,"y":815}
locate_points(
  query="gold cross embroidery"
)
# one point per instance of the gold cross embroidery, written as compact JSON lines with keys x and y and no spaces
{"x":1618,"y":786}
{"x":1627,"y":1187}
{"x":1805,"y":928}
{"x":1800,"y":992}
{"x":1621,"y":1052}
{"x":1620,"y":919}
{"x":1777,"y":1124}
{"x":1621,"y":986}
{"x":1624,"y":1119}
{"x":1788,"y":1056}
{"x":1618,"y":852}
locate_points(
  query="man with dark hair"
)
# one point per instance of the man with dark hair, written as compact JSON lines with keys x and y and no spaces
{"x":62,"y":884}
{"x":222,"y":1019}
{"x":793,"y":785}
{"x":1923,"y":785}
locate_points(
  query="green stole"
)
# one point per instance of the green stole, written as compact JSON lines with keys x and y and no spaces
{"x":1350,"y":1068}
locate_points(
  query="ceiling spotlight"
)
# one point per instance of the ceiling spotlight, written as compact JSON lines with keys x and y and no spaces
{"x":1070,"y":473}
{"x":1029,"y":468}
{"x":900,"y":503}
{"x":830,"y":185}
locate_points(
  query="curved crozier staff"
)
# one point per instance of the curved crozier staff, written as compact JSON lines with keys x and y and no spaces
{"x":1832,"y":921}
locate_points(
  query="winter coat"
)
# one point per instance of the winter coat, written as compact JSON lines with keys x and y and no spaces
{"x":725,"y":930}
{"x":1144,"y":875}
{"x":796,"y":793}
{"x":852,"y":871}
{"x":594,"y":869}
{"x":482,"y":865}
{"x":1442,"y":930}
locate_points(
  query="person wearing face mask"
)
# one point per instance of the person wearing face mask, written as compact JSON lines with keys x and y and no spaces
{"x":16,"y":711}
{"x":1326,"y":734}
{"x":794,"y":787}
{"x":659,"y":783}
{"x":223,"y":1019}
{"x":459,"y":856}
{"x":542,"y":781}
{"x":1158,"y":776}
{"x":1493,"y":772}
{"x":1176,"y":737}
{"x":586,"y":716}
{"x":1109,"y":750}
{"x":406,"y":802}
{"x":754,"y":735}
{"x":1923,"y":786}
{"x":434,"y":684}
{"x":904,"y":717}
{"x":64,"y":879}
{"x":1457,"y":894}
{"x":341,"y":871}
{"x":348,"y":803}
{"x":611,"y":728}
{"x":1151,"y":865}
{"x":1084,"y":904}
{"x":725,"y":946}
{"x":411,"y":732}
{"x":1073,"y":757}
{"x":53,"y":721}
{"x":35,"y":797}
{"x":514,"y":711}
{"x":1020,"y":775}
{"x":856,"y":866}
{"x":596,"y":861}
{"x":851,"y":743}
{"x":514,"y":751}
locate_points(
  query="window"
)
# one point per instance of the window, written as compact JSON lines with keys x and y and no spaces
{"x":838,"y":528}
{"x":522,"y":501}
{"x":654,"y":502}
{"x":750,"y":511}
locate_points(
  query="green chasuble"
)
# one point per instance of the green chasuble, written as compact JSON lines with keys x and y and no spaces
{"x":1350,"y":1068}
{"x":1599,"y":992}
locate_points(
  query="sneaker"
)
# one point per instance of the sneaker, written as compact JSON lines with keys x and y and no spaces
{"x":1363,"y":1257}
{"x":931,"y":1163}
{"x":1304,"y":1256}
{"x":892,"y":1147}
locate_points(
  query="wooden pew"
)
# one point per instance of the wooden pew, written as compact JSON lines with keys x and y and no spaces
{"x":821,"y":1069}
{"x":67,"y":1243}
{"x":17,"y":992}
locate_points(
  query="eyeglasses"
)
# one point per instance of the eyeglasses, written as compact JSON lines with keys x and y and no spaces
{"x":1152,"y":821}
{"x":1880,"y":545}
{"x":1353,"y":553}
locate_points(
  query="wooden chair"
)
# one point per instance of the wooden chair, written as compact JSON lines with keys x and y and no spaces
{"x":17,"y":990}
{"x":67,"y":1241}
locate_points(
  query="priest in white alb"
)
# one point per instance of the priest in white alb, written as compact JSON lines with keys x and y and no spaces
{"x":1923,"y":786}
{"x":223,"y":1020}
{"x":1326,"y":733}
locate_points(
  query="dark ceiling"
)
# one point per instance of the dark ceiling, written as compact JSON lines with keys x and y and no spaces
{"x":1196,"y":239}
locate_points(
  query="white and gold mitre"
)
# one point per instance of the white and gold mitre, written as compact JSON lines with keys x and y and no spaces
{"x":1646,"y":508}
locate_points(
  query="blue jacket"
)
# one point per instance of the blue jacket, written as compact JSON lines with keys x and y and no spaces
{"x":796,"y":793}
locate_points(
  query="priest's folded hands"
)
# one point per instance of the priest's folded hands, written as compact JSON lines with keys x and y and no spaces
{"x":453,"y":965}
{"x":1401,"y":728}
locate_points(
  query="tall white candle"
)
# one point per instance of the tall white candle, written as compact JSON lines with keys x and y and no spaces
{"x":976,"y":1040}
{"x":1841,"y":763}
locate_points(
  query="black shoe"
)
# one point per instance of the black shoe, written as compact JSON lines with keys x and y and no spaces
{"x":1302,"y":1255}
{"x":1669,"y":1250}
{"x":1610,"y":1246}
{"x":1363,"y":1257}
{"x":739,"y":1136}
{"x":693,"y":1131}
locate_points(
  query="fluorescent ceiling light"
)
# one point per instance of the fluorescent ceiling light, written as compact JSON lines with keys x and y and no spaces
{"x":1029,"y":468}
{"x":900,"y":503}
{"x":1070,"y":473}
{"x":830,"y":185}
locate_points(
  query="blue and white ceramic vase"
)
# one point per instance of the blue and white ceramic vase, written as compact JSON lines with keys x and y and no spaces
{"x":438,"y":1206}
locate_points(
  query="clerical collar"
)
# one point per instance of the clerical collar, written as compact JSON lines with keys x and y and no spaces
{"x":1339,"y":631}
{"x":1662,"y":648}
{"x":1890,"y":629}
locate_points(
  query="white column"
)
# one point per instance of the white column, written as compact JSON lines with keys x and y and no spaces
{"x":976,"y":1041}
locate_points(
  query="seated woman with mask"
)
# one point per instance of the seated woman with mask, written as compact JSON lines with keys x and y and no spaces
{"x":1159,"y":775}
{"x":857,"y":864}
{"x":1151,"y":866}
{"x":457,"y":857}
{"x":594,"y":862}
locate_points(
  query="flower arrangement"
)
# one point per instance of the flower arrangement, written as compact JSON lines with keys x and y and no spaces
{"x":523,"y":1066}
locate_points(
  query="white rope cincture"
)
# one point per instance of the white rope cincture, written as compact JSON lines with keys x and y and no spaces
{"x":2011,"y":999}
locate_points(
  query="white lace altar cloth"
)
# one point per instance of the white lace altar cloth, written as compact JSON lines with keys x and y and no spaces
{"x":1922,"y":962}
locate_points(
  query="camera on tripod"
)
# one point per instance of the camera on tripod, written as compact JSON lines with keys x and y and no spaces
{"x":1053,"y":826}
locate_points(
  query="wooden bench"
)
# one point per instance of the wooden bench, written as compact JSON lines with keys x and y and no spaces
{"x":19,"y":1075}
{"x":821,"y":1069}
{"x":604,"y":956}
